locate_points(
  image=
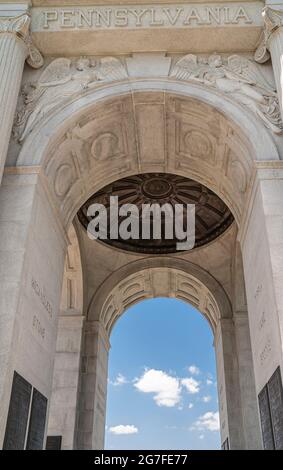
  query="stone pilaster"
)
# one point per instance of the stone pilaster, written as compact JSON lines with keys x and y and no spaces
{"x":249,"y":407}
{"x":62,"y":411}
{"x":271,"y":44}
{"x":263,"y":269}
{"x":15,"y":47}
{"x":93,"y":388}
{"x":231,"y":422}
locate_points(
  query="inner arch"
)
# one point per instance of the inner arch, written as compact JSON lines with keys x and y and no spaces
{"x":161,"y":391}
{"x":159,"y":277}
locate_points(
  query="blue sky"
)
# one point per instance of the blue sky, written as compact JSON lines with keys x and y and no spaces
{"x":162,"y":390}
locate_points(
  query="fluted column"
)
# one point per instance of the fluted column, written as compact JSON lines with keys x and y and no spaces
{"x":271,"y":44}
{"x":15,"y":47}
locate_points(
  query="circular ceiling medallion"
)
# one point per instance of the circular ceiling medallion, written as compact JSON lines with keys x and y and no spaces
{"x":156,"y":188}
{"x":212,"y":216}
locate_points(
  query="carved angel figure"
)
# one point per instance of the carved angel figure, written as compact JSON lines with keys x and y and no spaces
{"x":61,"y":80}
{"x":240,"y":78}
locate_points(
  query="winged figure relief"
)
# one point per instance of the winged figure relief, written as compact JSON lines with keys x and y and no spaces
{"x":61,"y":80}
{"x":237,"y":76}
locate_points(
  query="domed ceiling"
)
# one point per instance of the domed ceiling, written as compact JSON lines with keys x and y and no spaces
{"x":212,"y":216}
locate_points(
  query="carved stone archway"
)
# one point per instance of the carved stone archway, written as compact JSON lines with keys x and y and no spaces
{"x":118,"y":130}
{"x":165,"y":277}
{"x":190,"y":129}
{"x":159,"y":277}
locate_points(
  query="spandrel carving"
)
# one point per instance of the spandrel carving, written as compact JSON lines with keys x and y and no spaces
{"x":61,"y":80}
{"x":237,"y":77}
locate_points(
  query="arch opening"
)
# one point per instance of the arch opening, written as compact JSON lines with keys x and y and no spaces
{"x":162,"y":379}
{"x":159,"y":277}
{"x":154,"y":278}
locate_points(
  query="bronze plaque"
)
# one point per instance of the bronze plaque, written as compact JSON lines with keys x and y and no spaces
{"x":18,"y":414}
{"x":53,"y":442}
{"x":275,"y":394}
{"x":265,"y":418}
{"x":37,"y":421}
{"x":271,"y":412}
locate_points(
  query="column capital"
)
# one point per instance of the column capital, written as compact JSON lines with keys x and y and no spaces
{"x":20,"y":27}
{"x":272,"y":21}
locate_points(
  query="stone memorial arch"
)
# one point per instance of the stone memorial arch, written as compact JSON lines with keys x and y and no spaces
{"x":185,"y":123}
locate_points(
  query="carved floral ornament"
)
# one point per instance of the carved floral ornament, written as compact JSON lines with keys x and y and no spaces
{"x":20,"y":26}
{"x":64,"y":79}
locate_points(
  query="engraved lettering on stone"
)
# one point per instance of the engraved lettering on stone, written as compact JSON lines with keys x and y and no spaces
{"x":38,"y":327}
{"x":40,"y":293}
{"x":262,"y":321}
{"x":238,"y":77}
{"x":258,"y":291}
{"x":153,"y":16}
{"x":265,"y":352}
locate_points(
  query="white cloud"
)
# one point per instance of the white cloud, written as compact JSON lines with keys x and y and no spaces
{"x":206,"y":399}
{"x":190,"y":406}
{"x":209,"y":421}
{"x":209,"y":382}
{"x":191,"y":385}
{"x":194,"y":370}
{"x":166,"y":389}
{"x":123,"y":429}
{"x":120,"y":380}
